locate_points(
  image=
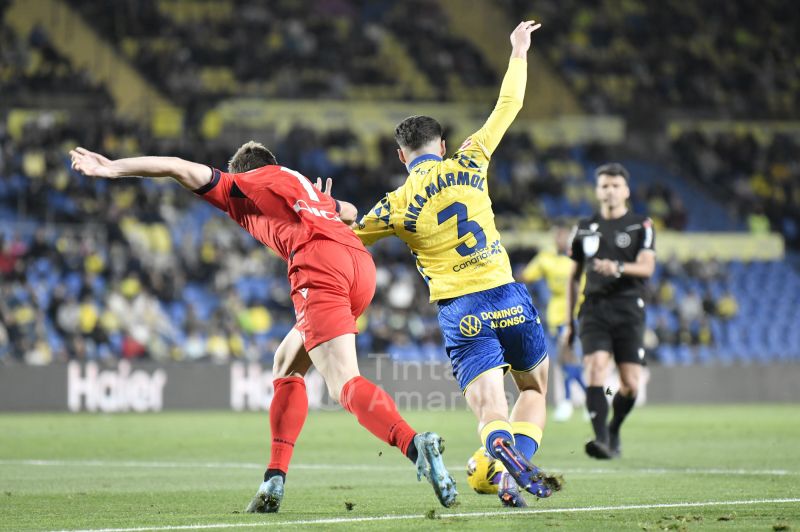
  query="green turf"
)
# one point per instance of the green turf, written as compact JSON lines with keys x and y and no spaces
{"x":202,"y":468}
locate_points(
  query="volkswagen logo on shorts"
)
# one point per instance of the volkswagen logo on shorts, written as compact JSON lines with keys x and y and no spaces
{"x":470,"y":325}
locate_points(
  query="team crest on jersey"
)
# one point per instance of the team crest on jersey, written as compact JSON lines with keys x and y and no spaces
{"x":590,"y":244}
{"x":622,"y":240}
{"x":470,"y":325}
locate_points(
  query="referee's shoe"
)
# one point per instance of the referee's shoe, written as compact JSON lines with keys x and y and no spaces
{"x":598,"y":449}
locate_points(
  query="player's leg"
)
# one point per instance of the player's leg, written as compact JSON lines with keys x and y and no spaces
{"x":562,"y":396}
{"x":572,"y":372}
{"x":331,"y":286}
{"x":376,"y":411}
{"x":289,"y":407}
{"x":523,"y":346}
{"x":529,"y":415}
{"x":287,"y":414}
{"x":485,"y":395}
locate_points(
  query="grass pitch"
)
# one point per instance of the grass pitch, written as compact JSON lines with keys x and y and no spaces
{"x":684,"y":468}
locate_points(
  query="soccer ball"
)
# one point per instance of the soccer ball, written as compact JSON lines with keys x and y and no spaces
{"x":483,"y":472}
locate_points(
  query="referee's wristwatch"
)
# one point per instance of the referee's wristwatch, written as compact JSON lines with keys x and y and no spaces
{"x":620,"y":269}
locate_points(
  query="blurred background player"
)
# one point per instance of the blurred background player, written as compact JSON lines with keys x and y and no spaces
{"x":555,"y":268}
{"x":332,"y":280}
{"x":617,"y":249}
{"x":443,"y":213}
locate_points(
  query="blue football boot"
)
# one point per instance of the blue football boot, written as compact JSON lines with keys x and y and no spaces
{"x":508,"y":491}
{"x":528,"y":476}
{"x":430,"y":465}
{"x":268,"y":497}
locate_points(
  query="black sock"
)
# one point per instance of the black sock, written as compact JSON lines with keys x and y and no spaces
{"x":412,"y":453}
{"x":598,"y":410}
{"x":622,"y":407}
{"x":274,"y":473}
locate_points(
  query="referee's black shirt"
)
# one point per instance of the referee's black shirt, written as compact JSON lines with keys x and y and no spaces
{"x":620,"y":239}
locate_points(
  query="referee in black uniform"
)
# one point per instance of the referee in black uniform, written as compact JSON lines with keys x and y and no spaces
{"x":616,"y":248}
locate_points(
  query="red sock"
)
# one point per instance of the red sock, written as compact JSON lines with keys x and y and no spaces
{"x":376,"y":412}
{"x":286,"y":417}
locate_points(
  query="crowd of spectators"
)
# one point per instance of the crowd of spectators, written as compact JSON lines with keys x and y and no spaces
{"x":684,"y":317}
{"x":200,"y":53}
{"x":759,"y":178}
{"x":97,"y":270}
{"x":632,"y":57}
{"x":282,"y":49}
{"x":30,"y":67}
{"x":94,"y":268}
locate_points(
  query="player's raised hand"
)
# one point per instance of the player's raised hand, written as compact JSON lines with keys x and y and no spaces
{"x":91,"y":164}
{"x":328,"y":186}
{"x":521,"y":37}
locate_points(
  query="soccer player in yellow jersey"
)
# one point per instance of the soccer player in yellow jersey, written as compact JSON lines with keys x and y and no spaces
{"x":444,"y":214}
{"x":555,"y":268}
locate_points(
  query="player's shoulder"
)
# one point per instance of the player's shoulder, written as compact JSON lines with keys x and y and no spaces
{"x":471,"y":155}
{"x":258,"y":176}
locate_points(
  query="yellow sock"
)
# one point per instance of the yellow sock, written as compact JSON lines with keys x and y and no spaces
{"x":498,"y":428}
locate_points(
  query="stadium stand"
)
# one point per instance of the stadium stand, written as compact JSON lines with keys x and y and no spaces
{"x":93,"y":270}
{"x":759,"y":178}
{"x":720,"y":65}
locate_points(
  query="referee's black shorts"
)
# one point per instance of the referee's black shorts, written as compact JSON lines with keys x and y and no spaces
{"x":613,"y":324}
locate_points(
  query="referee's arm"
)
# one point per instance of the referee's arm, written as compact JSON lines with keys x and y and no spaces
{"x":644,"y":266}
{"x":573,"y":286}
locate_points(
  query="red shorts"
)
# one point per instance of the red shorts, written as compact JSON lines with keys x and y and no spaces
{"x":332,"y":285}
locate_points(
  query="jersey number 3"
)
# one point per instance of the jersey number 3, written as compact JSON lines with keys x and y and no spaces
{"x":465,"y":227}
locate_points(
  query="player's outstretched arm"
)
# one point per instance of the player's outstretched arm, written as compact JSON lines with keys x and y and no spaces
{"x":512,"y":90}
{"x":190,"y":175}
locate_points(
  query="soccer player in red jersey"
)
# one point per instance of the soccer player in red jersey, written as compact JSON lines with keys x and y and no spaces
{"x":332,"y":279}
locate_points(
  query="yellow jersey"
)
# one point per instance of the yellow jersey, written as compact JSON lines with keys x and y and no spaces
{"x":555,"y":269}
{"x":443,"y":211}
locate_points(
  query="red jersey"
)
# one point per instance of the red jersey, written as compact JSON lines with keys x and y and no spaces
{"x":279,"y":207}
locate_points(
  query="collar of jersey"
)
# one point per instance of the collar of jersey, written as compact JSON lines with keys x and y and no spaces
{"x":421,"y":159}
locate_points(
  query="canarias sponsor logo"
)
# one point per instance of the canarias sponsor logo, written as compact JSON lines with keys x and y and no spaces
{"x":470,"y":325}
{"x":481,"y":255}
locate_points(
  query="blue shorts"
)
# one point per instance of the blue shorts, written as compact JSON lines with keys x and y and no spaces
{"x":496,"y":328}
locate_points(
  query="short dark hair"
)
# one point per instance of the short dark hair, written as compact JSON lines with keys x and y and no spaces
{"x":612,"y":169}
{"x":416,"y":131}
{"x":249,"y":156}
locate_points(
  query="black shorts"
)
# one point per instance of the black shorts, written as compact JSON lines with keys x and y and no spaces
{"x":613,"y":324}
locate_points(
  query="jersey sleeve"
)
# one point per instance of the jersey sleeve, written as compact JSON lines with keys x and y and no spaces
{"x":534,"y":270}
{"x":648,"y":236}
{"x":376,"y":223}
{"x":218,"y":191}
{"x":478,"y":148}
{"x":575,"y":248}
